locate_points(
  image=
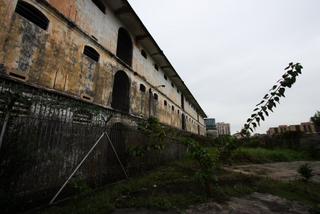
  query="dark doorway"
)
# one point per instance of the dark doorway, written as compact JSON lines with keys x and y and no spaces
{"x":182,"y":101}
{"x":183,"y":122}
{"x":120,"y":93}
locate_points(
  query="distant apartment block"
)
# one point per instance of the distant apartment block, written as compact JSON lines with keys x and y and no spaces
{"x":303,"y":127}
{"x":211,"y":129}
{"x":223,"y":128}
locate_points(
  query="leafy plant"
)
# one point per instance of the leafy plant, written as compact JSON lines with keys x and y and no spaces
{"x":153,"y":129}
{"x":272,"y":97}
{"x":306,"y":171}
{"x":80,"y":187}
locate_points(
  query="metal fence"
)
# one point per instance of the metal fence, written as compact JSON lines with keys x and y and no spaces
{"x":45,"y":138}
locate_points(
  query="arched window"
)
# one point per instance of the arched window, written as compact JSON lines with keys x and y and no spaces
{"x":124,"y":46}
{"x":142,"y":88}
{"x":155,"y":96}
{"x":91,"y":52}
{"x":32,"y":14}
{"x":120,"y":93}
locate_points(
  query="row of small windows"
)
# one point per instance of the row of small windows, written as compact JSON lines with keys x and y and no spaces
{"x":155,"y":96}
{"x":124,"y":48}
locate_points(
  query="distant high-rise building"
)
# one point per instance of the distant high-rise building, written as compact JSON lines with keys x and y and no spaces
{"x":211,"y":129}
{"x":223,"y":128}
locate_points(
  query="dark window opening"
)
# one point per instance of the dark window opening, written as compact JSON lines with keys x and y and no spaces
{"x":155,"y":96}
{"x":100,"y":5}
{"x":91,"y":52}
{"x":144,"y":54}
{"x":32,"y":14}
{"x":172,"y":108}
{"x":165,"y":103}
{"x":165,"y":77}
{"x":124,"y":46}
{"x":120,"y":93}
{"x":142,"y":88}
{"x":172,"y":84}
{"x":178,"y":111}
{"x":156,"y":67}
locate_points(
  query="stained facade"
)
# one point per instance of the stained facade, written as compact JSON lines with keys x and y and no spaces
{"x":97,"y":51}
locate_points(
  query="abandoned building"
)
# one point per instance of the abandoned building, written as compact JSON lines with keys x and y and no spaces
{"x":97,"y":51}
{"x":57,"y":56}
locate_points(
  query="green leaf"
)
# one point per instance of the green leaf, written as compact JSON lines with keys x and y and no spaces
{"x":277,"y":99}
{"x":260,"y":103}
{"x":266,"y":96}
{"x":254,"y":125}
{"x":253,"y":115}
{"x":258,"y":120}
{"x":256,"y":109}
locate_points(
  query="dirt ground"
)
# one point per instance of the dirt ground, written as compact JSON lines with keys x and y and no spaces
{"x":262,"y":203}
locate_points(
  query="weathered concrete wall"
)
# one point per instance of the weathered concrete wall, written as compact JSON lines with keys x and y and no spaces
{"x":54,"y":59}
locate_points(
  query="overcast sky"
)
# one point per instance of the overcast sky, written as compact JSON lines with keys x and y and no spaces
{"x":231,"y":52}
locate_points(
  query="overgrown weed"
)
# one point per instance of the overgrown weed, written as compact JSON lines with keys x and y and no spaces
{"x":175,"y":187}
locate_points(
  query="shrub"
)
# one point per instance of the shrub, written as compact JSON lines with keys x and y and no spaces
{"x":306,"y":171}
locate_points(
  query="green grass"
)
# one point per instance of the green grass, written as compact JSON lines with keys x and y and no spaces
{"x":261,"y":155}
{"x":175,"y":186}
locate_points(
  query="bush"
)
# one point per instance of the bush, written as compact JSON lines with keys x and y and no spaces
{"x":306,"y":171}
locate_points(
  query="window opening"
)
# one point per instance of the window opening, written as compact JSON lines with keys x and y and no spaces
{"x":172,"y":108}
{"x":155,"y":96}
{"x":172,"y":84}
{"x":32,"y":14}
{"x":165,"y":103}
{"x":100,"y":5}
{"x":91,"y":52}
{"x":165,"y":77}
{"x":120,"y":93}
{"x":144,"y":54}
{"x":124,"y":46}
{"x":156,"y":67}
{"x":142,"y":88}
